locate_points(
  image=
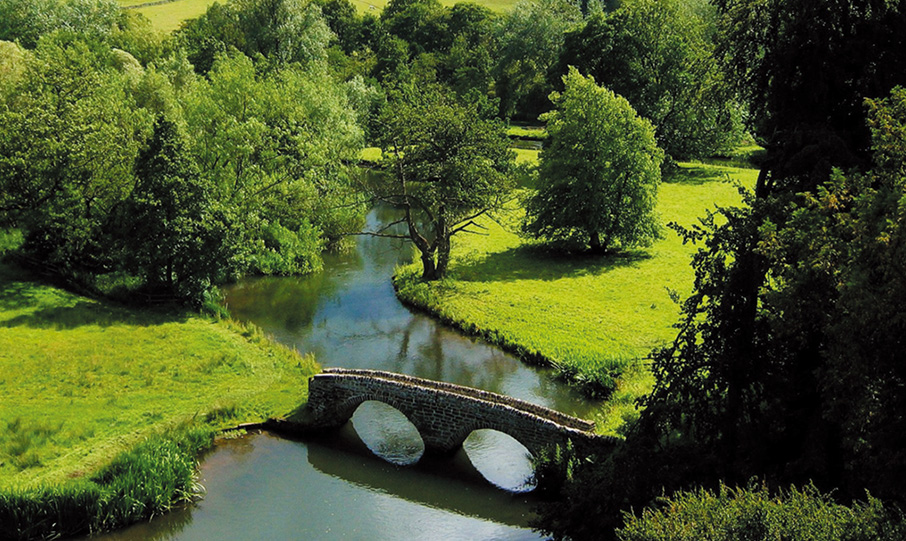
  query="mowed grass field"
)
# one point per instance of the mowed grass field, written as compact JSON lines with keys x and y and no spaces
{"x":584,"y":313}
{"x":83,"y":380}
{"x":168,"y":16}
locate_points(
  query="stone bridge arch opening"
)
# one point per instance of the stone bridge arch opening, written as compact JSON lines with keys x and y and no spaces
{"x":387,"y":432}
{"x":501,"y":459}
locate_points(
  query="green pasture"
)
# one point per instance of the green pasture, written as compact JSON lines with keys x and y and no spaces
{"x":168,"y":16}
{"x":586,"y":314}
{"x":84,"y":380}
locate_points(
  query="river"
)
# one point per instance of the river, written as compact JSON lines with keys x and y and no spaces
{"x":335,"y":487}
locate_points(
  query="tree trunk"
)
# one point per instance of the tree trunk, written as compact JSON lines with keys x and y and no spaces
{"x":595,"y":244}
{"x":429,"y":271}
{"x":443,"y":244}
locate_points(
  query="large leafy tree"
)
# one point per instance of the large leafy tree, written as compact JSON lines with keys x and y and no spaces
{"x":173,"y":232}
{"x":446,"y":166}
{"x":282,"y":31}
{"x":69,"y":133}
{"x":658,"y":54}
{"x":26,"y":21}
{"x":529,"y":40}
{"x":598,"y":176}
{"x":275,"y":145}
{"x":784,"y":357}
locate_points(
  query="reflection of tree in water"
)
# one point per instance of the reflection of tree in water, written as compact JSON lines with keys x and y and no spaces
{"x":290,"y":303}
{"x":361,"y":323}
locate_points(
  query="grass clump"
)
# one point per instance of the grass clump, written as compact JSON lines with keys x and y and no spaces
{"x":138,"y":484}
{"x":594,"y":318}
{"x":755,"y":513}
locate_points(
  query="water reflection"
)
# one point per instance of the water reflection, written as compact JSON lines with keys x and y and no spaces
{"x":349,"y":316}
{"x":501,"y":459}
{"x":267,"y":487}
{"x":388,"y":433}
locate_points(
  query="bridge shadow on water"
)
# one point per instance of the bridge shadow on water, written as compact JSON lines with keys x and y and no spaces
{"x":440,"y":482}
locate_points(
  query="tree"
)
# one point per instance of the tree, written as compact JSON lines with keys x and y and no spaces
{"x":26,"y":21}
{"x":804,"y":69}
{"x":529,"y":40}
{"x":658,"y":55}
{"x":274,"y":145}
{"x":282,"y":31}
{"x":598,"y":177}
{"x":69,"y":134}
{"x":447,"y":166}
{"x":172,"y":232}
{"x":787,"y":360}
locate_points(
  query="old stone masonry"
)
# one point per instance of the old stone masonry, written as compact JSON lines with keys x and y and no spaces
{"x":445,"y":414}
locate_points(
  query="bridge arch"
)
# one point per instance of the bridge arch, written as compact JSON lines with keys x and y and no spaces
{"x":444,"y":414}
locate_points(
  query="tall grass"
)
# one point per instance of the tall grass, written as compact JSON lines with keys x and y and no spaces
{"x":140,"y":483}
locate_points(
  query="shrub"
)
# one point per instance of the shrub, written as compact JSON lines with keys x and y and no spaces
{"x":754,"y":513}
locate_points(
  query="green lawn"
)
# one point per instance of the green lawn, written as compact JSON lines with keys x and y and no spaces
{"x":583,"y":313}
{"x":83,"y":380}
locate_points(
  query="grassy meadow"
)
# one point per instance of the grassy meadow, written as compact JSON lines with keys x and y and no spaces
{"x":84,"y":380}
{"x":588,"y":315}
{"x":168,"y":16}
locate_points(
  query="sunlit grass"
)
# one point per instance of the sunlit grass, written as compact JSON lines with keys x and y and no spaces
{"x":168,"y":16}
{"x":527,"y":132}
{"x":83,"y":380}
{"x":585,"y":314}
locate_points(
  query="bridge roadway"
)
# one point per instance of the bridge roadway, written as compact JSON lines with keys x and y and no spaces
{"x":445,"y":414}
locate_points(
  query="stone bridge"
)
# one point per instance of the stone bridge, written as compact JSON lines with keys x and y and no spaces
{"x":445,"y":414}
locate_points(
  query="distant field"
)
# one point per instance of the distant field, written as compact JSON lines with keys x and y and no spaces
{"x":168,"y":16}
{"x":584,"y":313}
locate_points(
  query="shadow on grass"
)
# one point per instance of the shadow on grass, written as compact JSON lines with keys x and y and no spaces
{"x":85,"y":312}
{"x":533,"y":262}
{"x":696,"y":174}
{"x":46,"y":310}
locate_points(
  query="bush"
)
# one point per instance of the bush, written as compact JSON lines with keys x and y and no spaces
{"x":753,"y":513}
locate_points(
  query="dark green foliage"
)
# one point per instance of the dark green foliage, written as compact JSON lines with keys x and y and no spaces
{"x":172,"y":231}
{"x":146,"y":481}
{"x":69,"y":133}
{"x":280,"y":30}
{"x":598,"y":177}
{"x":804,"y":68}
{"x":658,"y":55}
{"x":420,"y":23}
{"x":529,"y":41}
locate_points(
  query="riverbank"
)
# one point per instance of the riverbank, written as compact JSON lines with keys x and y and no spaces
{"x":595,"y":319}
{"x":88,"y":384}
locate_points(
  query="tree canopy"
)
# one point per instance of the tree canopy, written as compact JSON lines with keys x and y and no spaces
{"x":658,"y":54}
{"x":447,"y":165}
{"x":599,"y":174}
